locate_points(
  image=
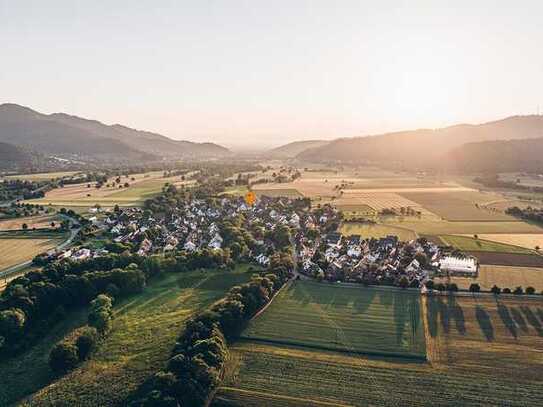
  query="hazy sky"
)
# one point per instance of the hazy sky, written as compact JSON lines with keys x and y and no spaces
{"x":248,"y":72}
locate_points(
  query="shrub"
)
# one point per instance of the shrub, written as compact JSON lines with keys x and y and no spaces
{"x":63,"y":357}
{"x":474,"y":288}
{"x":495,"y":289}
{"x":530,"y":290}
{"x":518,"y":291}
{"x":86,"y":342}
{"x":506,"y":291}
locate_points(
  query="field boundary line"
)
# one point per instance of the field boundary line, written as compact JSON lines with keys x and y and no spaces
{"x":265,"y":307}
{"x":283,"y":397}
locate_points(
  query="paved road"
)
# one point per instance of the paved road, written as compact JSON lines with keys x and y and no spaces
{"x":13,"y":269}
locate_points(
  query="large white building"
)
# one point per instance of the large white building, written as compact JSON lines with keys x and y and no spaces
{"x":460,"y":266}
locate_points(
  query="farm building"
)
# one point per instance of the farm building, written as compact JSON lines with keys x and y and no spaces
{"x":459,"y":266}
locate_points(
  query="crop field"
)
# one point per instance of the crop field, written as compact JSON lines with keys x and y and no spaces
{"x":144,"y":331}
{"x":38,"y":222}
{"x":143,"y":186}
{"x":345,"y":318}
{"x":380,"y":200}
{"x":508,"y":259}
{"x":482,"y":351}
{"x":276,"y":192}
{"x":506,"y":204}
{"x":459,"y":206}
{"x":502,"y":276}
{"x":44,"y":176}
{"x":471,"y":244}
{"x":17,"y":248}
{"x":527,"y":240}
{"x":366,"y":231}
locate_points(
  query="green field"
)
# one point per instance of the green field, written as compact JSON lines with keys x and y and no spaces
{"x":377,"y":231}
{"x":144,"y":332}
{"x":347,"y":318}
{"x":287,"y":192}
{"x":470,"y":244}
{"x":481,"y":352}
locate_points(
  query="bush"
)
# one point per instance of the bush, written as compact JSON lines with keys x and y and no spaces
{"x":63,"y":357}
{"x":506,"y":291}
{"x":86,"y":342}
{"x":530,"y":290}
{"x":474,"y":288}
{"x":518,"y":291}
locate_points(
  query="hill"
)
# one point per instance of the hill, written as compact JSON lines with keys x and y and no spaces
{"x":291,"y":150}
{"x":498,"y":156}
{"x":13,"y":157}
{"x":422,"y":148}
{"x":74,"y":137}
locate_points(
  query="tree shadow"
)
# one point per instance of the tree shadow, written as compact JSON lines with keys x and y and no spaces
{"x":532,"y":319}
{"x":431,"y":315}
{"x":400,"y":316}
{"x":457,"y":314}
{"x":519,"y":319}
{"x":507,"y":320}
{"x":540,"y":313}
{"x":444,"y":313}
{"x":363,"y":301}
{"x":484,"y":323}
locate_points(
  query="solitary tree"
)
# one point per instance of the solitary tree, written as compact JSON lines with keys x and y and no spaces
{"x":24,"y":226}
{"x":530,"y":290}
{"x":495,"y":290}
{"x":475,"y":288}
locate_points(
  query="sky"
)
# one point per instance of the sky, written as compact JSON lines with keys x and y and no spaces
{"x":248,"y":73}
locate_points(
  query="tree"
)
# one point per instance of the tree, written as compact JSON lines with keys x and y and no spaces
{"x":518,"y":291}
{"x":530,"y":290}
{"x":86,"y":342}
{"x":506,"y":291}
{"x":404,"y":282}
{"x":430,"y":284}
{"x":25,"y":227}
{"x":474,"y":288}
{"x":495,"y":290}
{"x":12,"y":322}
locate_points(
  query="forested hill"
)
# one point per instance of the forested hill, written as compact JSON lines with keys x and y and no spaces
{"x":498,"y":156}
{"x":13,"y":157}
{"x":64,"y":135}
{"x":424,"y":147}
{"x":291,"y":150}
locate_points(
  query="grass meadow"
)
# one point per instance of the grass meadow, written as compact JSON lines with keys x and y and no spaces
{"x":144,"y":330}
{"x":367,"y":230}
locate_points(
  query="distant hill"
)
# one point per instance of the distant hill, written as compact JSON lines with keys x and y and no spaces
{"x":498,"y":156}
{"x":425,"y":147}
{"x":65,"y":135}
{"x":13,"y":157}
{"x":291,"y":150}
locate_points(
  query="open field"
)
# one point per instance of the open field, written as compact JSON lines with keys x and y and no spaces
{"x":458,"y":206}
{"x":506,"y":204}
{"x":44,"y":176}
{"x":144,"y":331}
{"x":366,"y":230}
{"x":465,"y":243}
{"x":379,"y":200}
{"x":351,"y":319}
{"x":502,"y":276}
{"x":481,"y":352}
{"x":143,"y":186}
{"x":16,"y":248}
{"x":38,"y":222}
{"x":508,"y":259}
{"x":527,"y":240}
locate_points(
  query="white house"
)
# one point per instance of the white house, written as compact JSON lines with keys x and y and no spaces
{"x":460,"y":266}
{"x":189,"y":246}
{"x":216,"y":242}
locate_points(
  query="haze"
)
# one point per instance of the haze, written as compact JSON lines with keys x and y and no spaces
{"x":247,"y":73}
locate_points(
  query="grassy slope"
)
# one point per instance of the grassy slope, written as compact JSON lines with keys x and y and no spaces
{"x":144,"y":332}
{"x":352,"y":319}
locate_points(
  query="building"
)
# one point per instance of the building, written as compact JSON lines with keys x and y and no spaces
{"x":461,"y":266}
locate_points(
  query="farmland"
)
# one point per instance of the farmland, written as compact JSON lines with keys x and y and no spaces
{"x":478,"y":349}
{"x":141,"y":187}
{"x":502,"y":276}
{"x":471,"y":244}
{"x":367,"y":230}
{"x":458,"y":206}
{"x":38,"y":222}
{"x":527,"y":240}
{"x":18,"y":248}
{"x":351,"y":319}
{"x":144,"y":331}
{"x":44,"y":176}
{"x":274,"y":192}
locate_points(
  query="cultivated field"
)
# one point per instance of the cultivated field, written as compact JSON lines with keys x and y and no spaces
{"x":276,"y":192}
{"x":44,"y":176}
{"x":350,"y":319}
{"x":459,"y":206}
{"x":481,"y":352}
{"x":527,"y":240}
{"x":37,"y":222}
{"x":366,"y":230}
{"x":502,"y":276}
{"x":508,"y":259}
{"x":15,"y":249}
{"x":470,"y":244}
{"x":143,"y":186}
{"x":378,"y":200}
{"x":144,"y":331}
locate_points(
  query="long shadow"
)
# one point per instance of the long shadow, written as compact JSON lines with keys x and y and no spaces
{"x":484,"y":323}
{"x":457,"y":314}
{"x":532,"y":319}
{"x":432,"y":315}
{"x":444,"y":313}
{"x":363,"y":301}
{"x":400,"y":315}
{"x":507,"y":320}
{"x":519,"y":319}
{"x":540,"y":313}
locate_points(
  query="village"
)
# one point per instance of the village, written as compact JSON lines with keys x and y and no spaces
{"x":254,"y":232}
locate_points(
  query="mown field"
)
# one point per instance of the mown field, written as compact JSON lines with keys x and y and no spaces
{"x":458,"y":206}
{"x":44,"y":176}
{"x":276,"y":192}
{"x":366,"y":230}
{"x":144,"y":331}
{"x":351,"y":319}
{"x":502,"y":276}
{"x":37,"y":222}
{"x":527,"y":240}
{"x":18,"y":248}
{"x":481,"y":352}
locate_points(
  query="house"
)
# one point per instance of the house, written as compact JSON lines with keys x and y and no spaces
{"x":189,"y":246}
{"x":216,"y":242}
{"x":81,"y":254}
{"x":452,"y":265}
{"x":263,"y":260}
{"x":145,"y":247}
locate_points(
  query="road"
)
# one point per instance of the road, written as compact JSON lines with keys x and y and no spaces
{"x":14,"y":269}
